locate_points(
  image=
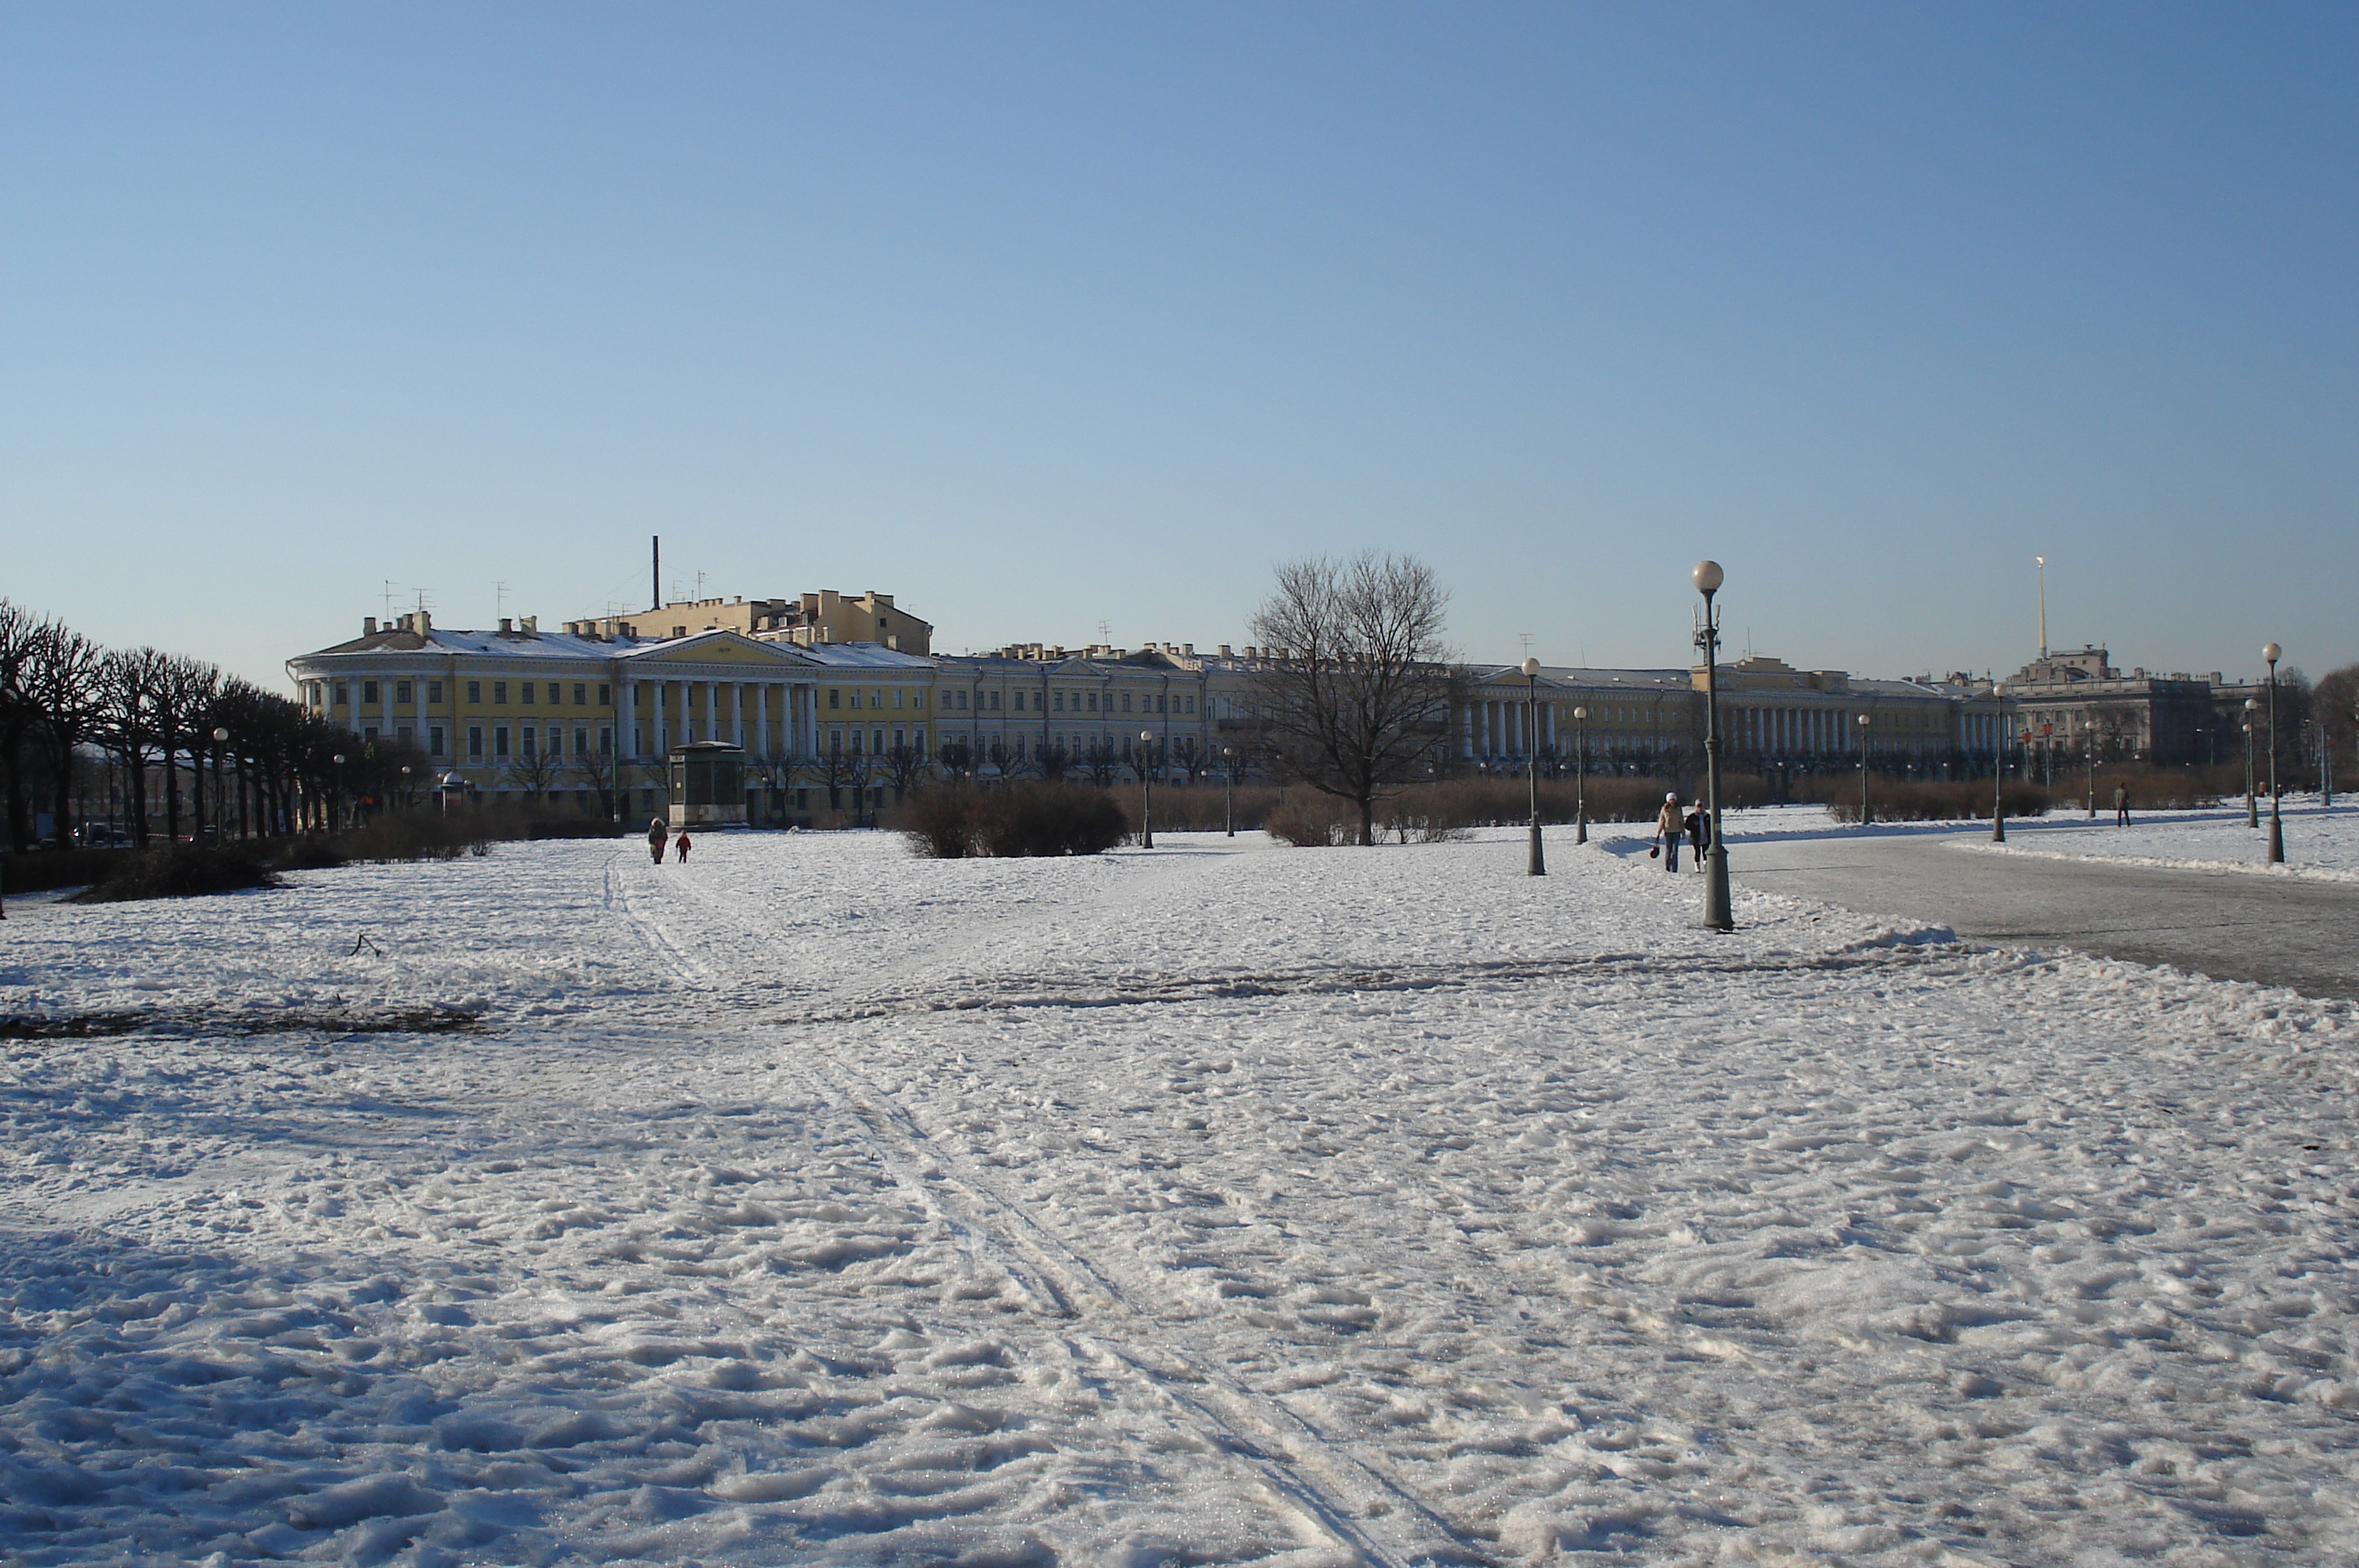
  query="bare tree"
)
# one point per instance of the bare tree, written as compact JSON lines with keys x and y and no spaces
{"x":1357,"y":698}
{"x":1102,"y":761}
{"x":538,"y":770}
{"x":63,"y":684}
{"x":905,"y":770}
{"x":601,"y":770}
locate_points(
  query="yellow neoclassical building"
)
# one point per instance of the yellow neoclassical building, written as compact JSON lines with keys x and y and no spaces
{"x":565,"y":716}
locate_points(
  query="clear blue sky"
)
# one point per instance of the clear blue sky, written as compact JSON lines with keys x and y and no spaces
{"x":1044,"y":316}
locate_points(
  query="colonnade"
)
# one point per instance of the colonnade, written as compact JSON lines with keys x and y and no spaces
{"x":769,"y":718}
{"x":1496,"y":727}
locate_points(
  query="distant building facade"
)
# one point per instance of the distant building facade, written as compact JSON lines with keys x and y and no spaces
{"x":2077,"y":705}
{"x":840,"y":702}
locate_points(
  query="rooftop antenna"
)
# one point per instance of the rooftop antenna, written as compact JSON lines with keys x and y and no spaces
{"x":389,"y":597}
{"x":654,"y":576}
{"x":1526,"y":638}
{"x":2043,"y":604}
{"x":1105,"y":634}
{"x":499,"y":596}
{"x":700,"y":584}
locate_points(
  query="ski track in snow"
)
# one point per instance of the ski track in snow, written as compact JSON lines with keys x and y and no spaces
{"x":815,"y":1203}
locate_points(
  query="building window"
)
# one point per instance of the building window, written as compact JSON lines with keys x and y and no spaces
{"x":369,"y":735}
{"x":344,"y":694}
{"x":525,"y":696}
{"x":527,"y":740}
{"x":434,"y":740}
{"x":401,"y":734}
{"x":995,"y":702}
{"x":580,"y":743}
{"x":500,"y":741}
{"x":401,"y":690}
{"x":474,"y":692}
{"x":896,"y":696}
{"x":917,"y":698}
{"x":434,"y":690}
{"x":602,"y":698}
{"x":855,"y":743}
{"x":1056,"y":702}
{"x":500,"y":693}
{"x":1126,"y":702}
{"x":581,"y":695}
{"x":835,"y":740}
{"x":1093,"y":702}
{"x":474,"y":740}
{"x":368,"y":693}
{"x":1191,"y":705}
{"x":834,"y":697}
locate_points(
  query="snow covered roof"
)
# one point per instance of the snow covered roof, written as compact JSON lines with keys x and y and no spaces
{"x":864,"y":654}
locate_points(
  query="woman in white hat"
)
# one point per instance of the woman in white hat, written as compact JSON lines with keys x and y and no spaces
{"x":1667,"y":829}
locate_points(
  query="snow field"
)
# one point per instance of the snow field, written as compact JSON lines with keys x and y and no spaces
{"x":810,"y":1202}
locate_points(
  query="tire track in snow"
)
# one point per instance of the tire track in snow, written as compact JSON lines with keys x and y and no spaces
{"x":1337,"y":1490}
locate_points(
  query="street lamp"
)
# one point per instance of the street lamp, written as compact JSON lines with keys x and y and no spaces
{"x":1863,"y":817}
{"x":336,"y":801}
{"x":1998,"y":765}
{"x":2276,"y":824}
{"x":1537,"y":865}
{"x":1228,"y":789}
{"x":1147,"y":789}
{"x":2252,"y":803}
{"x":1707,"y":578}
{"x":1580,"y":776}
{"x":221,"y":739}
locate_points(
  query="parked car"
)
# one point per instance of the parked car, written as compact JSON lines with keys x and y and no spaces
{"x":102,"y":835}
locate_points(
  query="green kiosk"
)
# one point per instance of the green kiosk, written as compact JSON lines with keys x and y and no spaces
{"x":708,"y":784}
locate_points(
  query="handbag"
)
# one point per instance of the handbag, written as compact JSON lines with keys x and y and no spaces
{"x":1655,"y":853}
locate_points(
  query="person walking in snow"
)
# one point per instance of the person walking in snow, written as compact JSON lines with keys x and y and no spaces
{"x":659,"y":834}
{"x":2121,"y":805}
{"x":1668,"y":826}
{"x":679,"y":849}
{"x":1699,"y":826}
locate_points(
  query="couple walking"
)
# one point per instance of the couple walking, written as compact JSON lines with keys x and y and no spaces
{"x":1670,"y":825}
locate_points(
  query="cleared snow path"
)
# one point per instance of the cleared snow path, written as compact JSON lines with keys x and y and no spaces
{"x":2274,"y":930}
{"x":814,"y":1204}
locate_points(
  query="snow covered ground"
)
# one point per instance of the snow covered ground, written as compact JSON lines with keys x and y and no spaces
{"x":2318,"y":842}
{"x":815,"y":1203}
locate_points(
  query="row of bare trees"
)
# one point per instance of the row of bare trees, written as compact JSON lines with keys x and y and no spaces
{"x":169,"y":728}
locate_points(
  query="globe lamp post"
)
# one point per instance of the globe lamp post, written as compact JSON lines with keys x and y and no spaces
{"x":1580,"y":776}
{"x":2252,"y":801}
{"x":1147,"y":789}
{"x":2276,"y":822}
{"x":1228,"y":789}
{"x":1707,"y":578}
{"x":1863,"y":817}
{"x":1537,"y":863}
{"x":221,"y":740}
{"x":1998,"y":766}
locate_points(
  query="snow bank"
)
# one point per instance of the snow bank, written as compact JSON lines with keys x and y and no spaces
{"x":813,"y":1202}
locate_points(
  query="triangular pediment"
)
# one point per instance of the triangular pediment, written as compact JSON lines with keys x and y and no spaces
{"x":721,"y":647}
